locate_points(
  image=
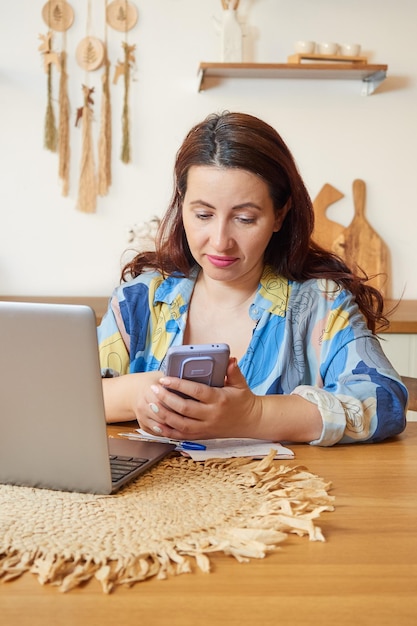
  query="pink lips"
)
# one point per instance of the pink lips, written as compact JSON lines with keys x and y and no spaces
{"x":221,"y":261}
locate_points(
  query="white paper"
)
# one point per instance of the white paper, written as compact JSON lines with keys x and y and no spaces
{"x":226,"y":448}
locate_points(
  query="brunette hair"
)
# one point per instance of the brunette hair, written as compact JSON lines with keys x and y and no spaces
{"x":238,"y":140}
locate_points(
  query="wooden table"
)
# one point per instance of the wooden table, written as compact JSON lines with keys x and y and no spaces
{"x":365,"y":573}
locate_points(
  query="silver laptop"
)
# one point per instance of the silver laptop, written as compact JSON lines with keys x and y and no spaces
{"x":52,"y":423}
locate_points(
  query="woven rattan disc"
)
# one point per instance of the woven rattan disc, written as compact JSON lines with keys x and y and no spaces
{"x":90,"y":53}
{"x":121,"y":15}
{"x":166,"y":523}
{"x":58,"y":15}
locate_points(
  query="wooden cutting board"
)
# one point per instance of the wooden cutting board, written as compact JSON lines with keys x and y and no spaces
{"x":325,"y":230}
{"x":360,"y":245}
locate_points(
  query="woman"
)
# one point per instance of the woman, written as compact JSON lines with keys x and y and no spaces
{"x":235,"y":263}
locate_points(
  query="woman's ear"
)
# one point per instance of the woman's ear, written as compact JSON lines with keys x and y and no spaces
{"x":281,"y":215}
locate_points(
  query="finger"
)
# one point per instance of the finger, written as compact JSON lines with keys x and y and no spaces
{"x":152,"y":418}
{"x":179,"y":428}
{"x":185,"y":389}
{"x":234,"y":377}
{"x":153,"y":428}
{"x":159,"y":414}
{"x":176,"y":412}
{"x":157,"y":429}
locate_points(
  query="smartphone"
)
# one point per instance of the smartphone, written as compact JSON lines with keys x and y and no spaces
{"x":202,"y":363}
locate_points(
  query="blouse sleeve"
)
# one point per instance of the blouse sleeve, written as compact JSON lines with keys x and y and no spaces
{"x":113,"y":341}
{"x":362,"y":397}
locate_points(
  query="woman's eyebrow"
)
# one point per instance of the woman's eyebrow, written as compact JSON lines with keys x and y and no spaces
{"x":243,"y":205}
{"x":207,"y":204}
{"x":248,"y":205}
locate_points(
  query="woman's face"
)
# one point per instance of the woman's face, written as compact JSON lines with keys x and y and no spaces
{"x":229,"y":219}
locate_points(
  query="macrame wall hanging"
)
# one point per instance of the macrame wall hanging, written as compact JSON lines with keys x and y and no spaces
{"x":91,"y":54}
{"x":122,"y":16}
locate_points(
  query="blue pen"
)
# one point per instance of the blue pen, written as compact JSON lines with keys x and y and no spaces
{"x":184,"y":445}
{"x":190,"y":445}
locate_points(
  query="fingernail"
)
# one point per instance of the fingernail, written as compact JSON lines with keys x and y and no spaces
{"x":157,"y":430}
{"x":155,"y":389}
{"x":154,"y":407}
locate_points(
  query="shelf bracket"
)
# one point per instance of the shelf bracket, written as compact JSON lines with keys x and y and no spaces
{"x":200,"y":79}
{"x":372,"y":82}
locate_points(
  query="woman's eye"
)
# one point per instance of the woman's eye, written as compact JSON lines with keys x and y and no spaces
{"x":241,"y":219}
{"x":245,"y":220}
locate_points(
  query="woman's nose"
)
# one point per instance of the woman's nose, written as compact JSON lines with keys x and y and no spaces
{"x":222,"y":238}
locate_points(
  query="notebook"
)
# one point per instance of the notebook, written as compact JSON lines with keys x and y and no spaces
{"x":52,"y":423}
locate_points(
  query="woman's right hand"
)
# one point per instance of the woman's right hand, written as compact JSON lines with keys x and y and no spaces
{"x":125,"y":396}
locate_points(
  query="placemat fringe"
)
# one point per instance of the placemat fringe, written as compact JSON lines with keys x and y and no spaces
{"x":167,"y":523}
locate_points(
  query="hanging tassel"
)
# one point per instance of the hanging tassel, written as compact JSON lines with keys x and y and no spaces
{"x":51,"y":135}
{"x":105,"y":138}
{"x":49,"y":58}
{"x":129,"y":58}
{"x":63,"y":131}
{"x":87,"y":190}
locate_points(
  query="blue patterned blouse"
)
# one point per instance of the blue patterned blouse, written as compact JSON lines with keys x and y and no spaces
{"x":310,"y":339}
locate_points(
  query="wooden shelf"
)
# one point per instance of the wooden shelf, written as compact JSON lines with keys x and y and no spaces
{"x":370,"y":75}
{"x":403,"y":320}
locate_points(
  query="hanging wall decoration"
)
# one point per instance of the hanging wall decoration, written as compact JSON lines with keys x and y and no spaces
{"x":87,"y":189}
{"x":122,"y":16}
{"x":123,"y":69}
{"x":50,"y":58}
{"x":105,"y":137}
{"x":90,"y":55}
{"x":59,"y":16}
{"x":63,"y":128}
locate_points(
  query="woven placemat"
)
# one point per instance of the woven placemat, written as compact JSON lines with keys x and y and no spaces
{"x":165,"y":523}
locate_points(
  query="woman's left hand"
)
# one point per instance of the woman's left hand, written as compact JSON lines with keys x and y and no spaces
{"x":208,"y":412}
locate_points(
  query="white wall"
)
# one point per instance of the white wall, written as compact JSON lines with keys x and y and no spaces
{"x":48,"y":247}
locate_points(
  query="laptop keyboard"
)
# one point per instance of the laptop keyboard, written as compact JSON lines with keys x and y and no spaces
{"x":122,"y":466}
